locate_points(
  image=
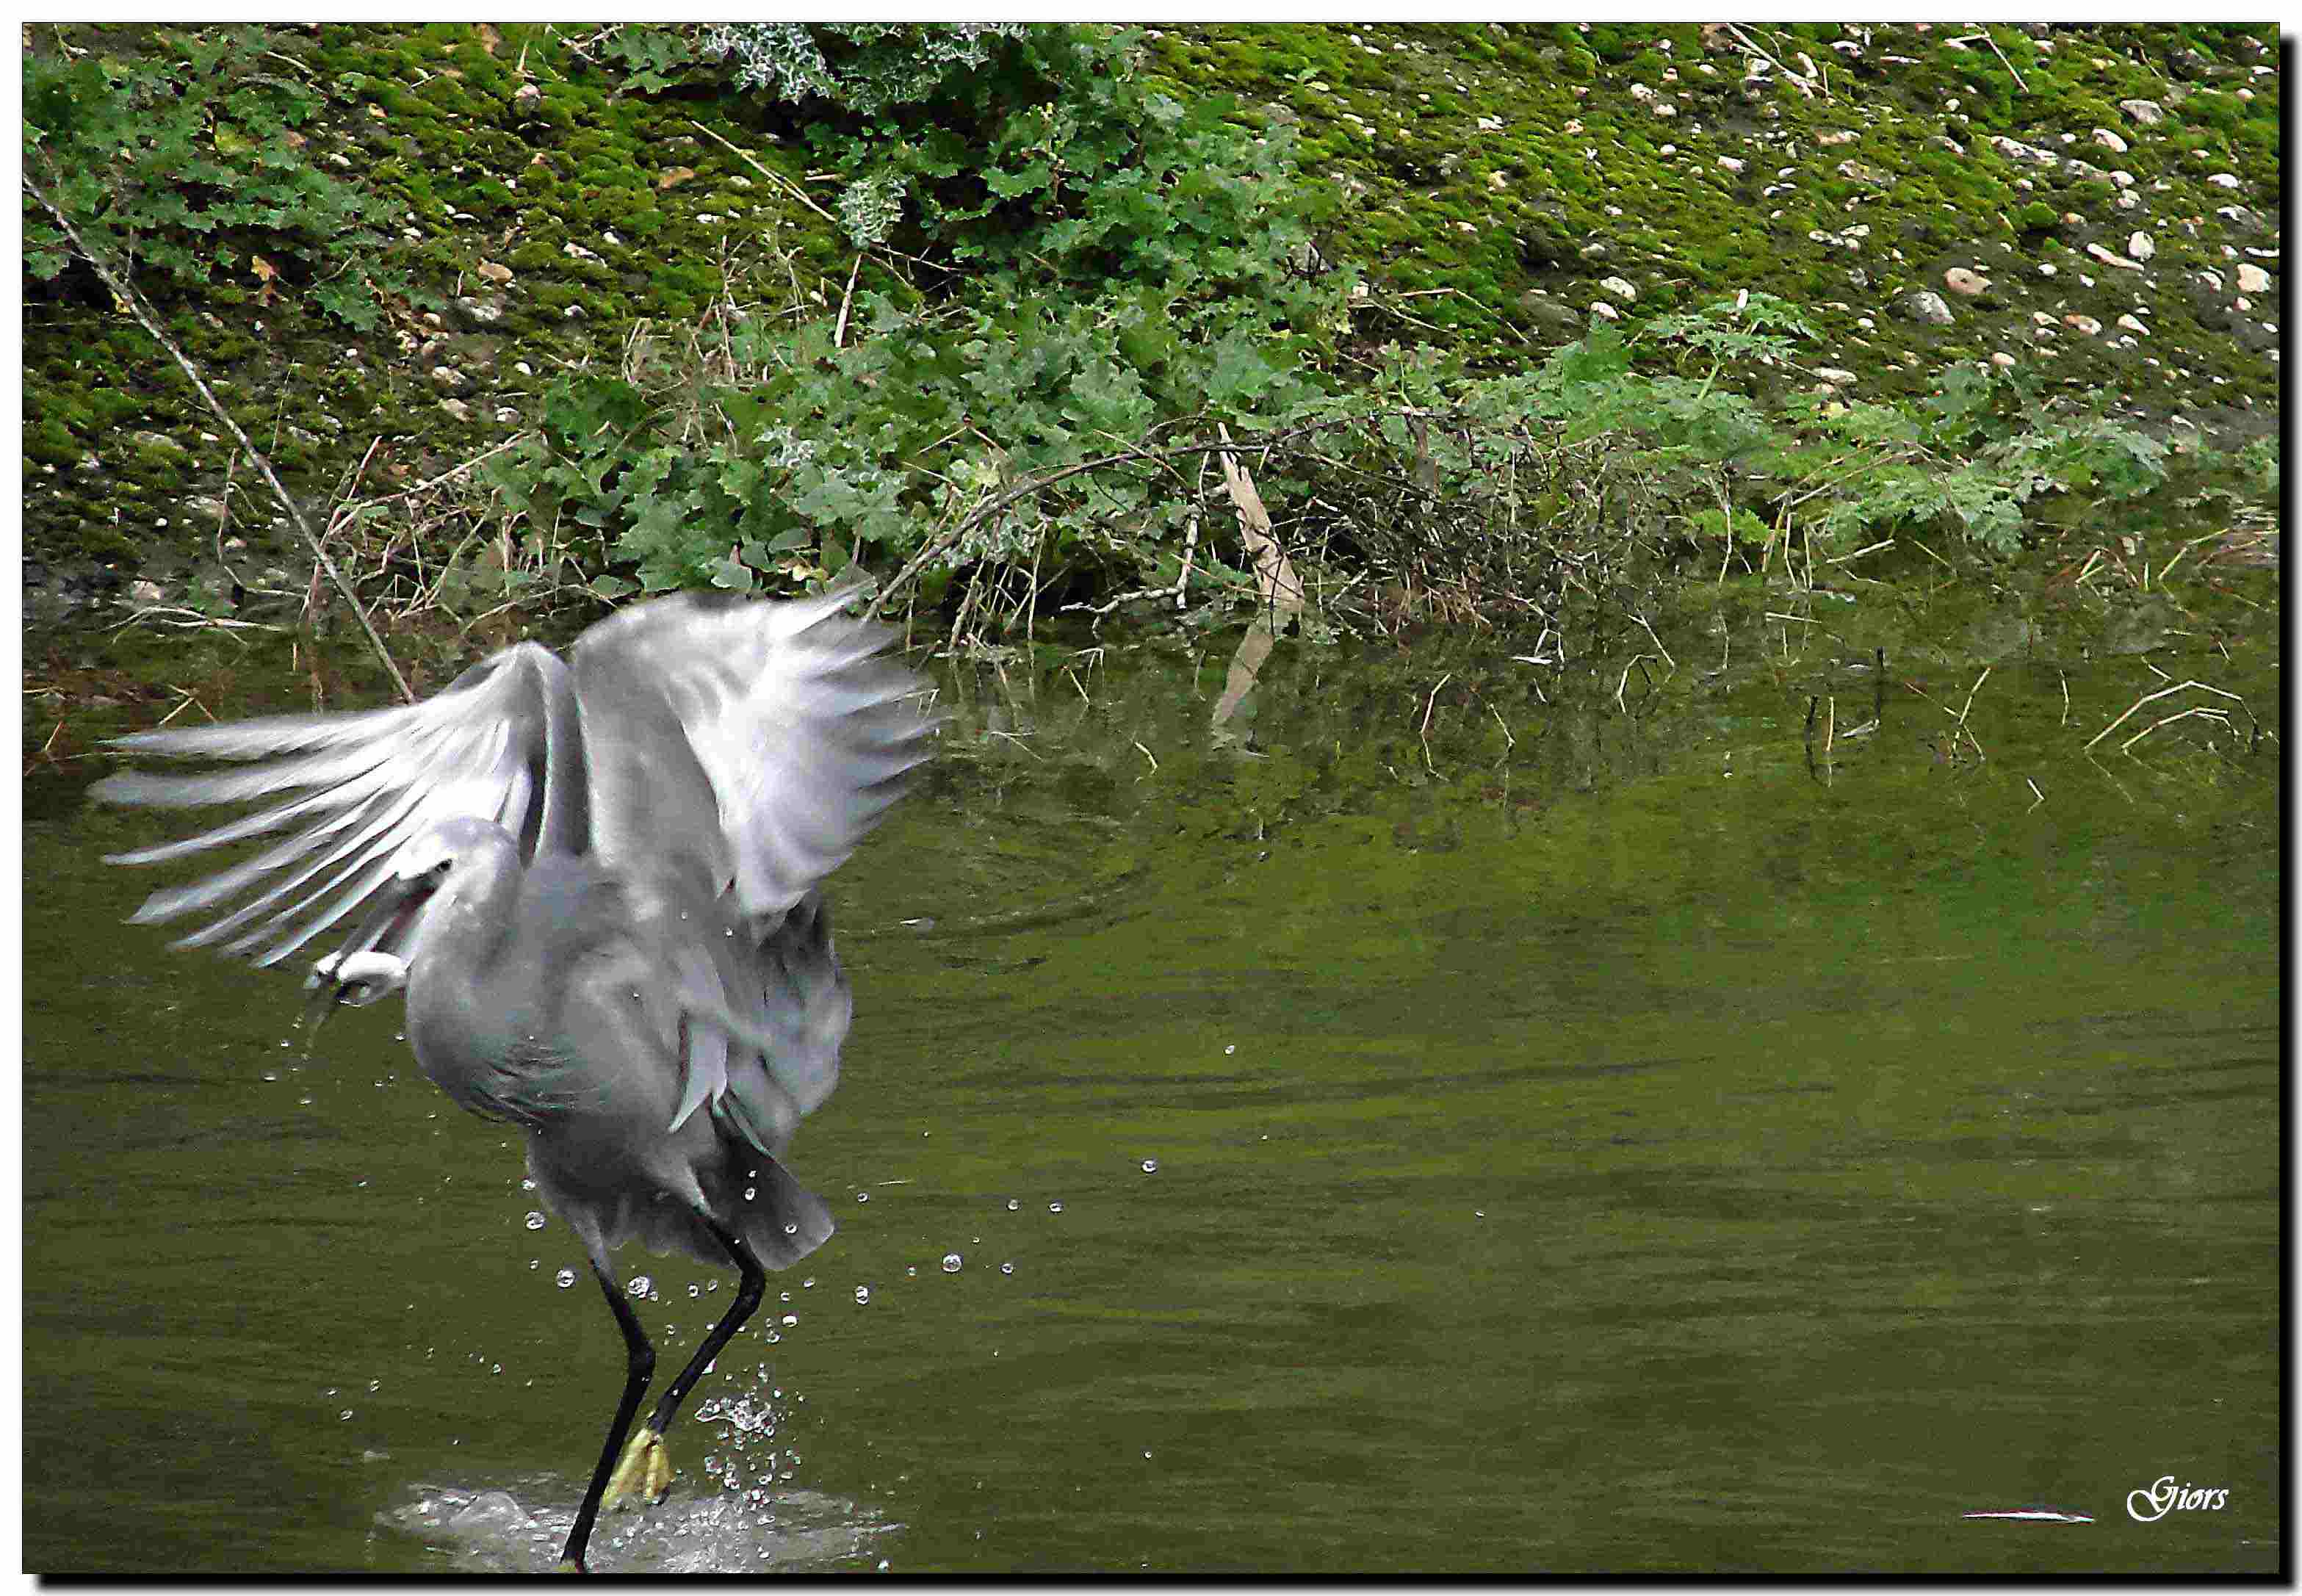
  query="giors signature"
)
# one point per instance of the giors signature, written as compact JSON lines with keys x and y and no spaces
{"x":2154,"y":1502}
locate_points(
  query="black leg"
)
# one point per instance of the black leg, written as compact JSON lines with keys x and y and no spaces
{"x":748,"y":1294}
{"x":639,"y":1368}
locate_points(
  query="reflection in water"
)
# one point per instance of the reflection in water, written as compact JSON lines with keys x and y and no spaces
{"x":490,"y":1532}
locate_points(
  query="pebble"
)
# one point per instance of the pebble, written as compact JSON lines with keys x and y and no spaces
{"x":1604,"y":311}
{"x":1730,"y":163}
{"x":1926,"y":305}
{"x":2141,"y":246}
{"x":2110,"y":141}
{"x":2002,"y":359}
{"x":2223,"y":179}
{"x":1960,"y":281}
{"x":2083,"y":324}
{"x":2144,"y":113}
{"x":2112,"y":258}
{"x":2252,"y":279}
{"x":1620,"y":288}
{"x":2133,"y":324}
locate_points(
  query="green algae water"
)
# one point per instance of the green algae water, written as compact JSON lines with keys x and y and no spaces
{"x":1457,"y":1114}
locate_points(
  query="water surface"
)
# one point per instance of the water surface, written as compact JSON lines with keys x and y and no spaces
{"x":1506,"y":1123}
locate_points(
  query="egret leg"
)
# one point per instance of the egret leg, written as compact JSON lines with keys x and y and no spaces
{"x":645,"y":1471}
{"x":639,"y":1368}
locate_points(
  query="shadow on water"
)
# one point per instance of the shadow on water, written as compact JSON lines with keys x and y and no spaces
{"x":1471,"y":1115}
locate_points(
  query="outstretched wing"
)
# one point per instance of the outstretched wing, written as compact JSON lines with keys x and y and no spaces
{"x":501,"y":744}
{"x":760,"y":741}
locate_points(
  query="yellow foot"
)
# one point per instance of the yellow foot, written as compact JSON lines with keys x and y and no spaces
{"x":642,"y":1473}
{"x":570,"y":1566}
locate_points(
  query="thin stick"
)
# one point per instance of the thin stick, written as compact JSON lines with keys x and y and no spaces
{"x":1665,"y":652}
{"x":1147,"y":755}
{"x":2152,"y":698}
{"x":1428,"y":705}
{"x":846,"y":300}
{"x":771,"y":174}
{"x":2034,"y":787}
{"x":128,"y":296}
{"x":1972,"y":691}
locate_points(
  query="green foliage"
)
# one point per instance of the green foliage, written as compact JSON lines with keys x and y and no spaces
{"x":175,"y":156}
{"x":866,"y":67}
{"x":1118,"y":264}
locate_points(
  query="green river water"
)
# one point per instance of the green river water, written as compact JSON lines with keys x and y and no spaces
{"x":1522,"y":1122}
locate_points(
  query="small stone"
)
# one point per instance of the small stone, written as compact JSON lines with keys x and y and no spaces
{"x":2141,"y":246}
{"x":2083,"y":324}
{"x":1667,"y":150}
{"x":2133,"y":324}
{"x":2223,"y":179}
{"x":2002,"y":359}
{"x":146,"y":593}
{"x":1730,"y":163}
{"x":456,"y":408}
{"x":1490,"y":124}
{"x":1604,"y":311}
{"x":2123,"y":178}
{"x":1960,"y":281}
{"x":2213,"y":279}
{"x":1924,"y":304}
{"x":2129,"y":200}
{"x":1665,"y":108}
{"x":2046,"y":268}
{"x":2143,"y":113}
{"x":448,"y":378}
{"x":2110,"y":141}
{"x":2241,"y":304}
{"x":1831,"y":374}
{"x":526,"y":95}
{"x":2252,"y":279}
{"x":2110,"y":258}
{"x":1842,"y":135}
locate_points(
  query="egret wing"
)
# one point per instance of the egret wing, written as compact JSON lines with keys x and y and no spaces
{"x":501,"y":744}
{"x":763,"y":740}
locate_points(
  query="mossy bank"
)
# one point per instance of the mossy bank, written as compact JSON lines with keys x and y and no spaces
{"x":2094,"y":209}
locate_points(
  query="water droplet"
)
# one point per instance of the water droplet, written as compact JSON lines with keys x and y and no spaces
{"x":527,"y":1185}
{"x":1014,"y":1203}
{"x":775,"y":1335}
{"x":862,"y":1197}
{"x":696,"y":1290}
{"x":1229,"y":1048}
{"x":639,"y":1287}
{"x":912,"y":1270}
{"x":790,"y":1319}
{"x":791,"y":1227}
{"x":711,"y":1285}
{"x":536,"y":1263}
{"x":566,"y":1277}
{"x":375,"y":1386}
{"x":535,"y":1219}
{"x":1055,"y":1208}
{"x":1150,"y":1166}
{"x":863,"y":1294}
{"x":1007,"y":1268}
{"x":346,"y":1413}
{"x":807,"y":1283}
{"x":272,"y":1075}
{"x":950,"y":1263}
{"x":495,"y":1368}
